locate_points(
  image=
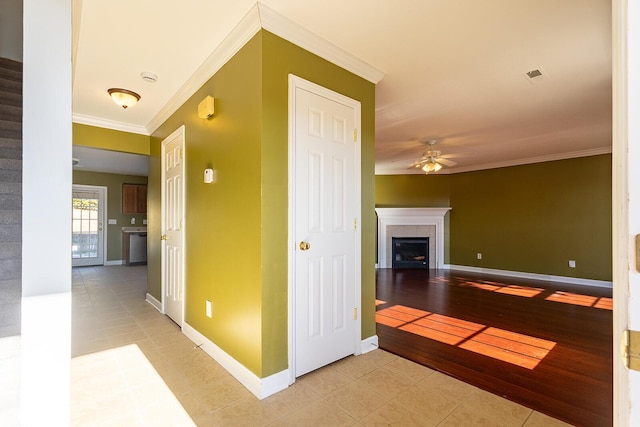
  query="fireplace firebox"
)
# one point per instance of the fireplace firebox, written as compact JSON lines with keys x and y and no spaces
{"x":410,"y":252}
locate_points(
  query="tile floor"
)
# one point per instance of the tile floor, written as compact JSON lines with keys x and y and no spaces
{"x":132,"y":366}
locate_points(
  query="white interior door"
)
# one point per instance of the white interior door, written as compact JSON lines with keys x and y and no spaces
{"x":88,"y":218}
{"x":172,"y":225}
{"x":326,"y":203}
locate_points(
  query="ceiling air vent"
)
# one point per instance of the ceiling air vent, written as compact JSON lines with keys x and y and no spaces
{"x":534,"y":73}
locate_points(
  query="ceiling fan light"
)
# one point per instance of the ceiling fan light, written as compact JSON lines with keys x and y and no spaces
{"x":123,"y":97}
{"x":431,"y":166}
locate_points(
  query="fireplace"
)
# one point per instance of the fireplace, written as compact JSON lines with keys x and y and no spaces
{"x":410,"y":252}
{"x":407,"y":222}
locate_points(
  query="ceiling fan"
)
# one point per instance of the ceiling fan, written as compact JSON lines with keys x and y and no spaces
{"x":431,"y":160}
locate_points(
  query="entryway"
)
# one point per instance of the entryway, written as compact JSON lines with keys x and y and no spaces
{"x":88,"y":219}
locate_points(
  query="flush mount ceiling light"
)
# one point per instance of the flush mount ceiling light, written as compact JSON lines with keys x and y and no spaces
{"x":123,"y":97}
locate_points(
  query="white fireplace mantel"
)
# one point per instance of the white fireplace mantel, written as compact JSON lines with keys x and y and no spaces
{"x":410,"y":216}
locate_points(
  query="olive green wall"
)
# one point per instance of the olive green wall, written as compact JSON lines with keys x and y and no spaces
{"x":415,"y":191}
{"x":236,"y":229}
{"x":535,"y":218}
{"x":113,"y":182}
{"x":282,"y":58}
{"x":531,"y":218}
{"x":108,"y":139}
{"x":412,"y":191}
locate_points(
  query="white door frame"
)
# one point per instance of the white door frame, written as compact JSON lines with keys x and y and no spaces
{"x":102,"y":213}
{"x":178,"y":133}
{"x":626,"y":203}
{"x":296,"y":82}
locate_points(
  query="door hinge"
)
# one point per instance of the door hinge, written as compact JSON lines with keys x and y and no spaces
{"x":631,"y":349}
{"x":355,"y":314}
{"x":355,"y":223}
{"x":355,"y":135}
{"x":638,"y":253}
{"x":181,"y":153}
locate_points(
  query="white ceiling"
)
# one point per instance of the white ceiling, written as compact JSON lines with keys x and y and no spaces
{"x":95,"y":160}
{"x":454,"y":71}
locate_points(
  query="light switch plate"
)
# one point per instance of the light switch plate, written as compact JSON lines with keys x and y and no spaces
{"x":113,"y":221}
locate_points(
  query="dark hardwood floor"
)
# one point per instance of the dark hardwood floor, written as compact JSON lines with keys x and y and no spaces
{"x":547,"y":346}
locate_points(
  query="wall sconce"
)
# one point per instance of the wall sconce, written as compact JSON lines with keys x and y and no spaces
{"x":206,"y":108}
{"x":210,"y":176}
{"x":123,"y":97}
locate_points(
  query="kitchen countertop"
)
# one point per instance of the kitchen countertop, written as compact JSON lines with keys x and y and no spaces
{"x":134,"y":229}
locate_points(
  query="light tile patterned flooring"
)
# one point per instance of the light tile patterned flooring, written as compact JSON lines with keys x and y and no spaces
{"x":132,"y":366}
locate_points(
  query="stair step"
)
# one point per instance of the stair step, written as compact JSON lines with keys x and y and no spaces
{"x":9,"y":129}
{"x":11,"y":175}
{"x":10,"y":153}
{"x":11,"y":86}
{"x":11,"y":268}
{"x":11,"y":216}
{"x":13,"y":75}
{"x":10,"y":64}
{"x":11,"y":201}
{"x":11,"y":113}
{"x":10,"y":165}
{"x":11,"y":233}
{"x":10,"y":189}
{"x":9,"y":98}
{"x":10,"y":144}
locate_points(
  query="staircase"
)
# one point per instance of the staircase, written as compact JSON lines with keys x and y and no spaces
{"x":10,"y":196}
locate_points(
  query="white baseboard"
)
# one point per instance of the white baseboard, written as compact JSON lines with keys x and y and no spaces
{"x":114,"y":262}
{"x":533,"y":276}
{"x":368,"y":344}
{"x":260,"y":387}
{"x":154,"y":302}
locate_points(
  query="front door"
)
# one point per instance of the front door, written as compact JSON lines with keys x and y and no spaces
{"x":173,"y":225}
{"x":326,"y":203}
{"x":87,"y":213}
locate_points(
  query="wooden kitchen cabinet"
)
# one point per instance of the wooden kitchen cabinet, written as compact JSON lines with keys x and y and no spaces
{"x":134,"y":198}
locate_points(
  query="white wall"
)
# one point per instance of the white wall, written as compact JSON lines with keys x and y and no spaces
{"x":11,"y":29}
{"x":46,"y":207}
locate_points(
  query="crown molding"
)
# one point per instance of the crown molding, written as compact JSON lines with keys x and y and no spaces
{"x":108,"y":124}
{"x":296,"y":34}
{"x":248,"y":26}
{"x":259,"y":17}
{"x":518,"y":162}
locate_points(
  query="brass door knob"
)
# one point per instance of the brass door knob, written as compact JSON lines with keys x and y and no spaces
{"x":163,"y":237}
{"x":304,"y":246}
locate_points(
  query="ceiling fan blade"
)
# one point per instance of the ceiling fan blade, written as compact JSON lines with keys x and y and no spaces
{"x":446,"y":162}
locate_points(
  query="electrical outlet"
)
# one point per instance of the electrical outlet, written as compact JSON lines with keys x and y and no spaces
{"x":479,"y":255}
{"x":572,"y":263}
{"x":208,"y":308}
{"x":133,"y":221}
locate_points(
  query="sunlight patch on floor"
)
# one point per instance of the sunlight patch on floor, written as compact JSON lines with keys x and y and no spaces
{"x":511,"y":347}
{"x":583,"y":300}
{"x":121,"y":378}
